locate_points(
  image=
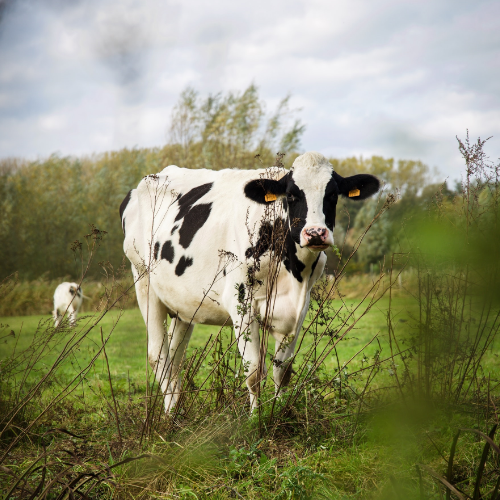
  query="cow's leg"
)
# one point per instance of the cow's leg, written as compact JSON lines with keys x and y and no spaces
{"x":282,"y":366}
{"x":179,"y":334}
{"x":246,"y":330}
{"x":57,"y":317}
{"x":285,"y":349}
{"x":154,"y":313}
{"x":249,"y":347}
{"x":71,"y":315}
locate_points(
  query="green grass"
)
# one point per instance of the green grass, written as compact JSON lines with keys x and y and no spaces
{"x":372,"y":456}
{"x":126,"y":348}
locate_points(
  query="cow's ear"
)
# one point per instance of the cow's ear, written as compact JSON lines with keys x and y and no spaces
{"x":266,"y":190}
{"x":357,"y":187}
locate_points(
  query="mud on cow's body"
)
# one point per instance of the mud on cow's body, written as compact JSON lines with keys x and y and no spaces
{"x":203,"y":235}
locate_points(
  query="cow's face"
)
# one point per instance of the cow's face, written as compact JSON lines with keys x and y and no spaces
{"x":75,"y":289}
{"x":309,"y":193}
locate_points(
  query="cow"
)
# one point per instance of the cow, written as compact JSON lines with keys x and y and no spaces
{"x":200,"y":241}
{"x":68,"y":297}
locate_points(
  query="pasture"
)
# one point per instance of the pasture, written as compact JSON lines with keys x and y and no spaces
{"x":357,"y":442}
{"x":126,"y":348}
{"x":395,"y":392}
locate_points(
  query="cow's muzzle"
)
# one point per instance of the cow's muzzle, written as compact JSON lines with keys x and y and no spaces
{"x":316,"y":237}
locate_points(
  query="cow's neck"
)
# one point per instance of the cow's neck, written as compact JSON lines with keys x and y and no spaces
{"x":298,"y":259}
{"x":307,"y":256}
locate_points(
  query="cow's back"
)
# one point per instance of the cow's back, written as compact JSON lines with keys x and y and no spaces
{"x":193,"y":227}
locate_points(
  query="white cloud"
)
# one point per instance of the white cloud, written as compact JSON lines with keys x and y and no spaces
{"x":392,"y":78}
{"x":53,"y":122}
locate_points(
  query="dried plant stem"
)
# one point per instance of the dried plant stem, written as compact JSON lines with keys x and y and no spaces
{"x":111,"y":388}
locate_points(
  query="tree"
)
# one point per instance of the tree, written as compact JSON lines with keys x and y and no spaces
{"x":229,"y":130}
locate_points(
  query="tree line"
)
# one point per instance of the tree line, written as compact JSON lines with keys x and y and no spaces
{"x":48,"y":205}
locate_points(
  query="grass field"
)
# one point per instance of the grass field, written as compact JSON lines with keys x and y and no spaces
{"x":126,"y":348}
{"x":333,"y":452}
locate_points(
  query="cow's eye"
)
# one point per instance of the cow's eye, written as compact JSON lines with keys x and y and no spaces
{"x":290,"y":198}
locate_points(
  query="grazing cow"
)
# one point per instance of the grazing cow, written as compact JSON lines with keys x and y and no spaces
{"x":67,"y":297}
{"x":200,"y":240}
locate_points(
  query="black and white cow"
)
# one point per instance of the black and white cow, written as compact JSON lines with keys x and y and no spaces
{"x":177,"y":223}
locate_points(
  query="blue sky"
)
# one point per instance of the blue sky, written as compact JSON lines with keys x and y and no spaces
{"x":393,"y":78}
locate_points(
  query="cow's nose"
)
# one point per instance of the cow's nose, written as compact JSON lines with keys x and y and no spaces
{"x":315,"y":235}
{"x":315,"y":231}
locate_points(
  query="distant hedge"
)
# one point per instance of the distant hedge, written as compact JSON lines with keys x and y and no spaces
{"x":47,"y":205}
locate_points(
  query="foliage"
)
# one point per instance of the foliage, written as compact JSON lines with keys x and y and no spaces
{"x":229,"y":130}
{"x":25,"y":298}
{"x":450,"y":482}
{"x":37,"y":233}
{"x":455,"y":244}
{"x":352,"y":424}
{"x":47,"y":205}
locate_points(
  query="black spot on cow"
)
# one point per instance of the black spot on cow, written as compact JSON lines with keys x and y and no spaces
{"x":193,"y":221}
{"x":270,"y":236}
{"x":251,"y":279}
{"x":174,"y":229}
{"x":296,"y":207}
{"x":315,"y":263}
{"x":72,"y":290}
{"x":224,"y":271}
{"x":190,"y":198}
{"x":330,"y":203}
{"x":241,"y":293}
{"x":123,"y":206}
{"x":292,"y":263}
{"x":278,"y":238}
{"x":167,"y":252}
{"x":193,"y":216}
{"x":184,"y":262}
{"x":156,"y":250}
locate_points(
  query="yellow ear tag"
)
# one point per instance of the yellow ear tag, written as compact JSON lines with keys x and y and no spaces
{"x":270,"y":197}
{"x":354,"y":192}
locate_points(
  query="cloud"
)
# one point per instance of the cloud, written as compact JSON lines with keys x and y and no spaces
{"x":392,"y":78}
{"x":4,"y":4}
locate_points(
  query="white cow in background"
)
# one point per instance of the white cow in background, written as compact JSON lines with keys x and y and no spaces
{"x":68,"y":297}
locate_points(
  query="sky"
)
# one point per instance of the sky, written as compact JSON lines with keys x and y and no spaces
{"x":393,"y":78}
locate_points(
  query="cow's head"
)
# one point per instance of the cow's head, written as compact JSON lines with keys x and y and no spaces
{"x":309,"y":193}
{"x":75,"y":289}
